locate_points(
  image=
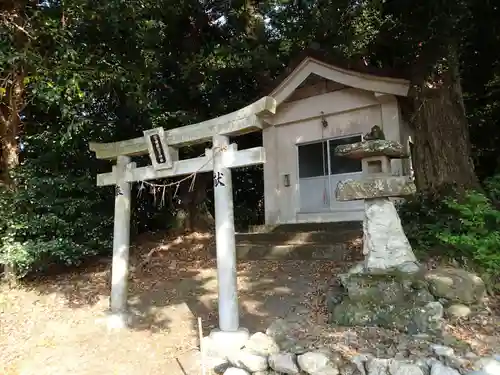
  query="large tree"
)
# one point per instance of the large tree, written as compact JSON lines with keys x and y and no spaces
{"x":425,"y":39}
{"x":419,"y":39}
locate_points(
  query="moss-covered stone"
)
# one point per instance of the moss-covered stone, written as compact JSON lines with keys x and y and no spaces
{"x":406,"y":316}
{"x":387,"y":287}
{"x":378,"y":147}
{"x":387,"y":299}
{"x":427,"y":319}
{"x":422,"y":296}
{"x":349,"y":313}
{"x":334,"y":296}
{"x":455,"y":284}
{"x":384,"y":288}
{"x":374,"y":187}
{"x":419,"y":283}
{"x":376,"y":275}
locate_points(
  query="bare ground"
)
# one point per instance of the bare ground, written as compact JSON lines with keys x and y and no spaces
{"x":55,"y":325}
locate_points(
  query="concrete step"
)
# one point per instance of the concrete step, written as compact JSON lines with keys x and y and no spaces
{"x":311,"y":241}
{"x":294,"y":238}
{"x":337,"y":252}
{"x":307,"y":227}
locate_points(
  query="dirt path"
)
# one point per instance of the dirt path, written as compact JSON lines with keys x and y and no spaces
{"x":55,"y":326}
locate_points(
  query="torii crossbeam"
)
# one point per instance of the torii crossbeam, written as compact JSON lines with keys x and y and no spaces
{"x":162,"y":146}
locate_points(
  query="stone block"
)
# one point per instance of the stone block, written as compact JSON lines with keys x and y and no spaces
{"x":317,"y":363}
{"x":236,"y":371}
{"x":404,"y":316}
{"x":456,"y":285}
{"x":247,"y":360}
{"x":458,"y":310}
{"x":262,"y":344}
{"x":488,"y":365}
{"x":285,"y":363}
{"x":376,"y":288}
{"x":374,"y":165}
{"x":364,"y":149}
{"x":385,"y":244}
{"x":375,"y":187}
{"x":440,"y":369}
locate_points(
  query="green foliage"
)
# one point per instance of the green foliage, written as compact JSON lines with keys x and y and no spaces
{"x":463,"y":227}
{"x":104,"y":71}
{"x":492,"y":187}
{"x":53,"y":219}
{"x":248,"y":197}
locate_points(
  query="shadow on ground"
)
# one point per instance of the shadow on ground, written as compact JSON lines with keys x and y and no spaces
{"x":179,"y":283}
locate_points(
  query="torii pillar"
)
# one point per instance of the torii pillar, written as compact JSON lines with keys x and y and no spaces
{"x":230,"y":334}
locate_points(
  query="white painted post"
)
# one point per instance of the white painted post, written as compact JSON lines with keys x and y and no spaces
{"x":121,"y":243}
{"x":230,"y":332}
{"x":224,"y":238}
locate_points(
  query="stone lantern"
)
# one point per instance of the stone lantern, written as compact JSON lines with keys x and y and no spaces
{"x":385,"y":244}
{"x":389,"y":289}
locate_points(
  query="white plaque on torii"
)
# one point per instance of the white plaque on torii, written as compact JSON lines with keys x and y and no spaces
{"x":159,"y":152}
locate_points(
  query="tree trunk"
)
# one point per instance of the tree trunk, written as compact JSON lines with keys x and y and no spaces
{"x":9,"y":157}
{"x":12,"y":102}
{"x":192,"y":211}
{"x":12,"y":94}
{"x":442,"y":150}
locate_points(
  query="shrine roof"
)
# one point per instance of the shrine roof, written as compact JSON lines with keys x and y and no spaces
{"x":348,"y":73}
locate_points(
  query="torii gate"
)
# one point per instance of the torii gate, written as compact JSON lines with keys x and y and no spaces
{"x":162,"y":147}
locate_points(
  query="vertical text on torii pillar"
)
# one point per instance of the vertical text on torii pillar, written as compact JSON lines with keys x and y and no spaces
{"x":218,"y":179}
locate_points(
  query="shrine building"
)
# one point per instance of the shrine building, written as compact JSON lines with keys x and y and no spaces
{"x":321,"y":106}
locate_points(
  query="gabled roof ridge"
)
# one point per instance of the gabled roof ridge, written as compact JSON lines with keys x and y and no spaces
{"x":349,"y":77}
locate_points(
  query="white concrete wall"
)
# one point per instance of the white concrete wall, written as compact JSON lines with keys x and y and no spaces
{"x":391,"y":122}
{"x":406,"y":137}
{"x":348,"y":111}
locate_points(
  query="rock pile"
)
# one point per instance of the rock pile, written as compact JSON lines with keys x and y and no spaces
{"x":413,"y":303}
{"x":271,"y":353}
